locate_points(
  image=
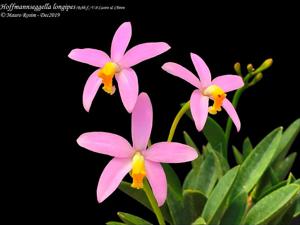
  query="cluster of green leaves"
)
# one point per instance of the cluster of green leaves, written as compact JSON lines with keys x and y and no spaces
{"x":260,"y":189}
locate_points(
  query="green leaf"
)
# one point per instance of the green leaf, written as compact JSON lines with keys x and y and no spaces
{"x":132,"y":220}
{"x":291,"y":178}
{"x":218,"y":163}
{"x":216,"y":204}
{"x":239,"y":158}
{"x":288,"y":137}
{"x":203,"y":178}
{"x":140,"y":196}
{"x":115,"y":223}
{"x":286,"y":215}
{"x":236,"y":211}
{"x":282,"y":168}
{"x":194,"y":202}
{"x":215,"y":136}
{"x":173,"y":180}
{"x":270,"y":189}
{"x":174,"y":197}
{"x":256,"y":163}
{"x":189,"y":141}
{"x":266,"y":181}
{"x":223,"y":162}
{"x":247,"y":147}
{"x":272,"y":205}
{"x":297,"y":210}
{"x":199,"y":221}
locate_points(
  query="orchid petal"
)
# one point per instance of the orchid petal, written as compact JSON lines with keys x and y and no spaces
{"x":106,"y":143}
{"x":199,"y":109}
{"x":128,"y":87}
{"x":181,"y":72}
{"x":232,"y":113}
{"x":143,"y":52}
{"x":202,"y":70}
{"x":229,"y":82}
{"x":158,"y":181}
{"x":112,"y":176}
{"x":89,"y":56}
{"x":120,"y":41}
{"x":170,"y":152}
{"x":141,"y":123}
{"x":90,"y":90}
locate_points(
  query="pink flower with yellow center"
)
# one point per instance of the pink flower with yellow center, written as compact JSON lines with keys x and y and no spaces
{"x":137,"y":160}
{"x":215,"y":90}
{"x":118,"y":66}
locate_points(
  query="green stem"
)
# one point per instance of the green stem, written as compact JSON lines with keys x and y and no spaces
{"x":235,"y":101}
{"x":153,"y":203}
{"x":179,"y":115}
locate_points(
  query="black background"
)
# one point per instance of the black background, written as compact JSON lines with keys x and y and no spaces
{"x":47,"y":176}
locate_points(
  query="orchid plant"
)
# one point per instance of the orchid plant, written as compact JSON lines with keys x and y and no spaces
{"x":259,"y":189}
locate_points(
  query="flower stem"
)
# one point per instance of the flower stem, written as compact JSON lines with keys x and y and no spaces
{"x":179,"y":115}
{"x":235,"y":101}
{"x":153,"y":203}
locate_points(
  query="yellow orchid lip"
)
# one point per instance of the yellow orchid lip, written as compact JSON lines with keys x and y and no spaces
{"x":217,"y":95}
{"x":138,"y":171}
{"x":107,"y":74}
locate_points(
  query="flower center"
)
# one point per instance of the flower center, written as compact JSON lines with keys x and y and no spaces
{"x":107,"y":74}
{"x":218,"y":95}
{"x":138,"y":170}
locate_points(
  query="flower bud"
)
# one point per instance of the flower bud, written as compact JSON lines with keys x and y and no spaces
{"x":250,"y":68}
{"x":258,"y":77}
{"x":237,"y":68}
{"x":265,"y":65}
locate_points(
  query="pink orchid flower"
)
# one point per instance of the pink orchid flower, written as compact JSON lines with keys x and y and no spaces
{"x":137,"y":160}
{"x":118,"y":66}
{"x":207,"y":89}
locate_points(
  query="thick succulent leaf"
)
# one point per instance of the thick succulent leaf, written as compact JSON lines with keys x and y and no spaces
{"x":236,"y":211}
{"x":283,"y":167}
{"x":174,"y":197}
{"x":203,"y":178}
{"x":239,"y":158}
{"x":218,"y":161}
{"x":216,"y":204}
{"x":247,"y":147}
{"x":286,"y":216}
{"x":132,"y":219}
{"x":272,"y":205}
{"x":173,"y":180}
{"x":223,"y":162}
{"x":215,"y":136}
{"x":297,"y":210}
{"x":114,"y":223}
{"x":199,"y":221}
{"x":288,"y":137}
{"x":268,"y":180}
{"x":189,"y":141}
{"x":194,"y":202}
{"x":140,"y":196}
{"x":270,"y":189}
{"x":256,"y":163}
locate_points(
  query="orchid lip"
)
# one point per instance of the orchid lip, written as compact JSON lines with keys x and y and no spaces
{"x":217,"y":94}
{"x":107,"y":74}
{"x":138,"y":171}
